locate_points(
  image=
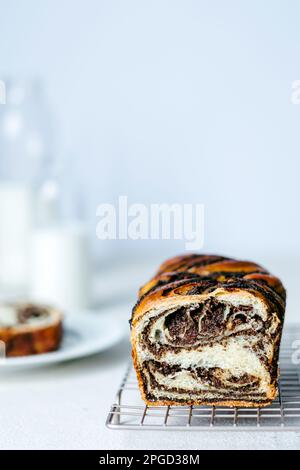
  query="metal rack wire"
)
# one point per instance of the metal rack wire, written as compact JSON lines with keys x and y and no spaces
{"x":129,"y":412}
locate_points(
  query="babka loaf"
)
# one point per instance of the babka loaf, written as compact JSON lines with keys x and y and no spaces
{"x":206,"y":330}
{"x":29,"y":329}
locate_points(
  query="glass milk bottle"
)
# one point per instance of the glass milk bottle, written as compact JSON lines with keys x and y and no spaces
{"x":24,"y":153}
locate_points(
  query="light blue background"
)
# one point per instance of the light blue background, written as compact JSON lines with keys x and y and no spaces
{"x":173,"y":101}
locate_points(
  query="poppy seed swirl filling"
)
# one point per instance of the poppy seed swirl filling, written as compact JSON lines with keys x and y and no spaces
{"x":202,"y":340}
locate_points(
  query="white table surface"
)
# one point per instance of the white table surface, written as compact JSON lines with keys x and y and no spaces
{"x":65,"y":406}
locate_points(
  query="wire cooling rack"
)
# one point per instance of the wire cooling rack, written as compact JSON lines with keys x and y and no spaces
{"x":130,"y":412}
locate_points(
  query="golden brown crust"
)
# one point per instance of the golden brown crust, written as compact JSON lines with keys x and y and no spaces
{"x":27,"y":340}
{"x":230,"y":404}
{"x":208,"y":273}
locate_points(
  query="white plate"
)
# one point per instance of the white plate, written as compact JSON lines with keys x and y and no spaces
{"x":85,"y":334}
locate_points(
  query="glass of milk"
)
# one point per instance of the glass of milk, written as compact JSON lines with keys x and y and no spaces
{"x":60,"y":251}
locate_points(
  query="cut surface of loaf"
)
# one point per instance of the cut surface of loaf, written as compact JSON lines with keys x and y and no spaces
{"x":29,"y":329}
{"x":206,"y":330}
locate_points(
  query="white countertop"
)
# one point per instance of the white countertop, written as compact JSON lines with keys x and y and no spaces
{"x":65,"y":407}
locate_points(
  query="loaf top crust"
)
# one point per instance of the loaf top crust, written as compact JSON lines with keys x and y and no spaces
{"x":198,"y":275}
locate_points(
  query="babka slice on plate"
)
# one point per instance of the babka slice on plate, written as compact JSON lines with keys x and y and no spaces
{"x":206,"y":330}
{"x":27,"y":329}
